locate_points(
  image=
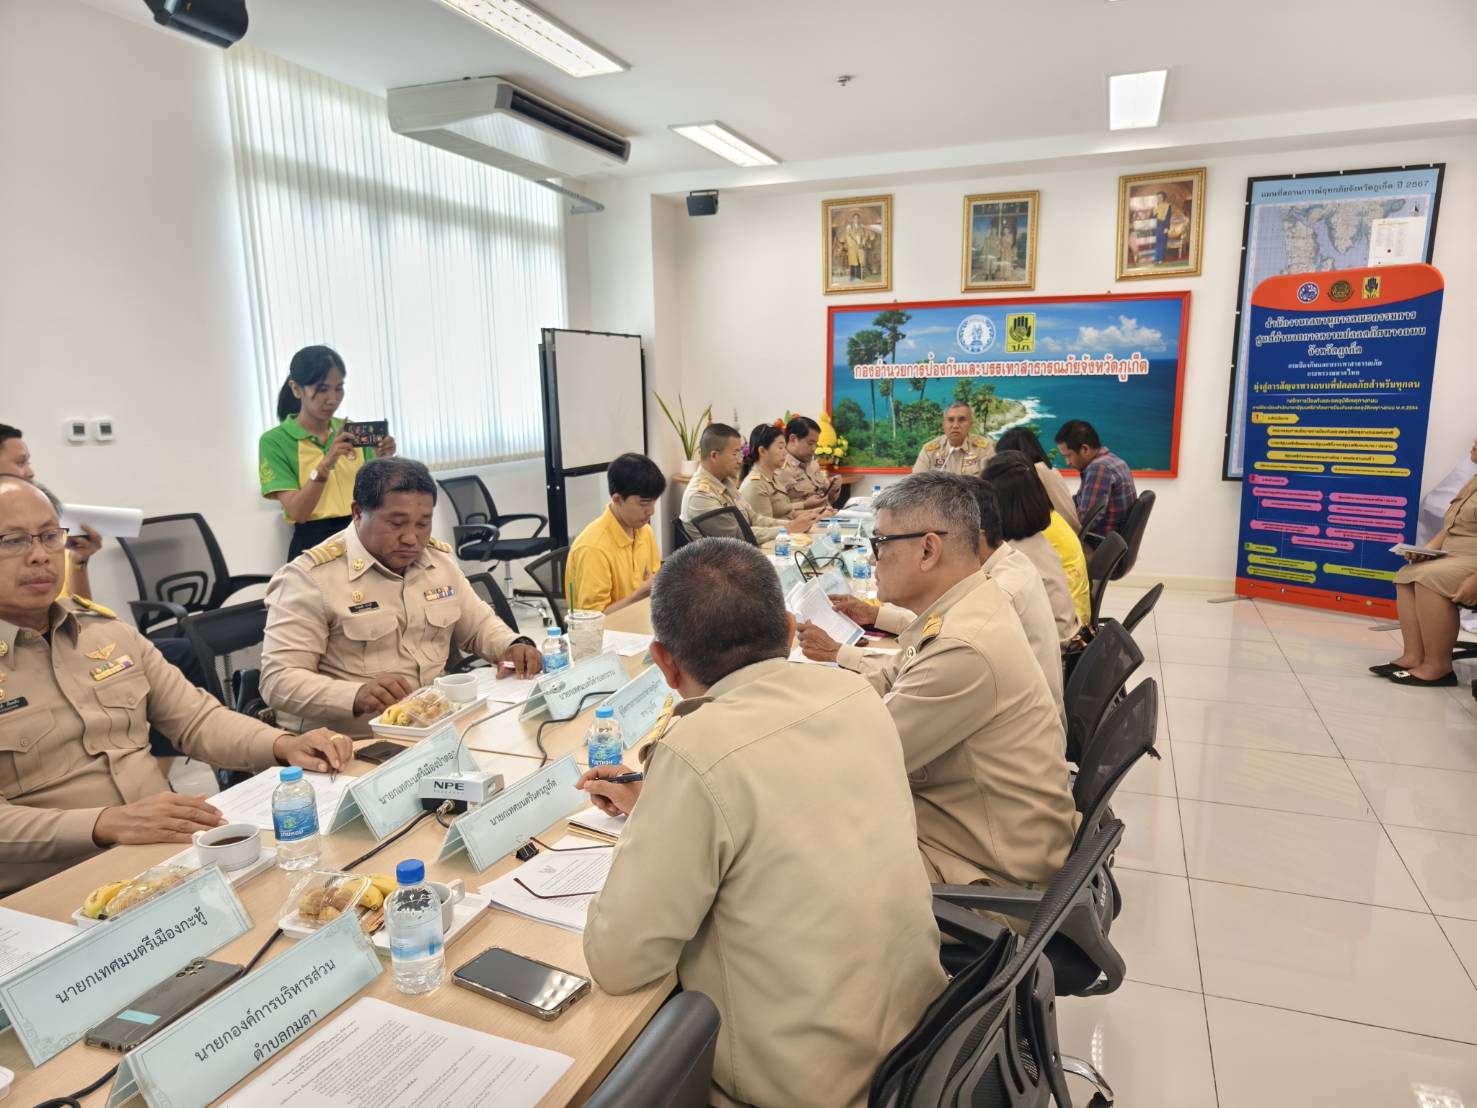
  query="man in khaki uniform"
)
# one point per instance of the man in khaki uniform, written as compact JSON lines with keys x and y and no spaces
{"x":956,"y":451}
{"x":78,"y":691}
{"x":982,"y":739}
{"x":801,"y":477}
{"x":366,"y":618}
{"x":811,"y":930}
{"x":714,"y":486}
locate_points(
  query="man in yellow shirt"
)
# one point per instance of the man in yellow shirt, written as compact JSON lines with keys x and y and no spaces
{"x":612,"y":562}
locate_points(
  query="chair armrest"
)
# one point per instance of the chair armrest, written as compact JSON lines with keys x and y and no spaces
{"x":1016,"y":903}
{"x":146,"y":612}
{"x":464,"y":534}
{"x":967,"y":927}
{"x":543,"y":521}
{"x":233,"y":585}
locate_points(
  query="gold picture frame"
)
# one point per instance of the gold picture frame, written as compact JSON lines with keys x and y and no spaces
{"x":999,"y":241}
{"x":856,"y":244}
{"x":1161,"y":220}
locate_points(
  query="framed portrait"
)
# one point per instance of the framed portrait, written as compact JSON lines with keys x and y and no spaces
{"x":1160,"y":219}
{"x":1000,"y":241}
{"x":857,"y":233}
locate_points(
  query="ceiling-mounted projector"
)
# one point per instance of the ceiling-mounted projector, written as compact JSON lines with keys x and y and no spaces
{"x":218,"y":22}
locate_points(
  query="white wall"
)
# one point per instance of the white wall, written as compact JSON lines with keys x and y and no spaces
{"x":122,"y":289}
{"x":752,"y":319}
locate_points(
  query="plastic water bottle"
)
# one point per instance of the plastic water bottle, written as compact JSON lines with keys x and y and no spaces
{"x":295,"y":820}
{"x":782,"y":543}
{"x":833,"y":529}
{"x":603,"y":741}
{"x":413,"y":917}
{"x":861,"y":579}
{"x":555,"y":650}
{"x":876,"y":492}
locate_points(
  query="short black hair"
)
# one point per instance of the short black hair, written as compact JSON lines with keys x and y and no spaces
{"x":800,"y":426}
{"x":715,"y":436}
{"x":635,"y":475}
{"x":383,"y":476}
{"x":9,"y":432}
{"x":1077,"y":433}
{"x":56,"y":505}
{"x":716,"y":605}
{"x":989,"y":505}
{"x":1025,"y":509}
{"x":1024,"y":440}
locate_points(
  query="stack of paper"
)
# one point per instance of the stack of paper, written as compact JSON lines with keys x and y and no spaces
{"x":505,"y":690}
{"x":565,"y":882}
{"x":593,"y":819}
{"x":251,"y":801}
{"x":626,"y":643}
{"x":810,"y":604}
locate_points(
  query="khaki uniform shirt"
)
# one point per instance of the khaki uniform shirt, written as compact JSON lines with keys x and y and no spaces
{"x":811,"y":929}
{"x":336,"y":617}
{"x":802,"y":480}
{"x":74,"y":734}
{"x":764,"y":497}
{"x":1054,"y":576}
{"x":1021,"y":582}
{"x":705,"y":493}
{"x":937,"y":456}
{"x":982,"y":739}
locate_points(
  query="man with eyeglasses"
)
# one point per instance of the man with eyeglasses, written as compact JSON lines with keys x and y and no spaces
{"x":983,"y":743}
{"x":78,"y":690}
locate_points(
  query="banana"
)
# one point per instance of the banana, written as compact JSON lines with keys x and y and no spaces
{"x":372,"y":898}
{"x":97,"y":900}
{"x":384,"y":883}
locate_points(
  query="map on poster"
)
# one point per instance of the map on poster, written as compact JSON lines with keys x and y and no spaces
{"x":1306,"y":223}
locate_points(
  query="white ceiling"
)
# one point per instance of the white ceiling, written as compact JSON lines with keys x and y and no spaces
{"x":928,"y":75}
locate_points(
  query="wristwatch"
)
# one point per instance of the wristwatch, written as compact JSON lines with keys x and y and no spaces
{"x":316,"y":475}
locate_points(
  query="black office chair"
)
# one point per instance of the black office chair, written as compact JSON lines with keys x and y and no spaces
{"x":1133,"y":531}
{"x":179,"y":569}
{"x":670,"y":1065}
{"x":680,"y":535}
{"x":1102,"y":567}
{"x":548,"y":574}
{"x":990,"y":1038}
{"x":1086,"y":524}
{"x":478,"y":535}
{"x":1096,"y":682}
{"x":723,"y":523}
{"x":228,"y":642}
{"x":1140,"y":611}
{"x":484,"y":587}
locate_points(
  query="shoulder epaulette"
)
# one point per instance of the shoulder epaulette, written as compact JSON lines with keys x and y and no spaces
{"x":931,"y":628}
{"x":441,"y":545}
{"x":932,"y":446}
{"x":94,"y":607}
{"x":980,"y":440}
{"x":326,"y":552}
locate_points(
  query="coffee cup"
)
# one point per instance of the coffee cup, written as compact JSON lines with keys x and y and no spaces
{"x":450,"y":895}
{"x":234,"y":846}
{"x":459,"y":688}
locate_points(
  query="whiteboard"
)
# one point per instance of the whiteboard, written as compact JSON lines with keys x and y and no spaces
{"x":600,"y":397}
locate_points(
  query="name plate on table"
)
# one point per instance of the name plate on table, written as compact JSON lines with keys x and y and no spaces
{"x":790,"y":574}
{"x":516,"y":814}
{"x":823,"y":547}
{"x":643,"y":705}
{"x":561,"y":694}
{"x":58,"y":996}
{"x":389,"y":797}
{"x":197,"y":1058}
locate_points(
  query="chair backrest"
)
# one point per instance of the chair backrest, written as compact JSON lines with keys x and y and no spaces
{"x":1102,"y":567}
{"x":670,"y":1065}
{"x":227,"y":640}
{"x":1124,"y":736}
{"x":470,"y":499}
{"x":1139,"y":611}
{"x":990,"y":1037}
{"x":547,"y":571}
{"x":487,"y":591}
{"x":176,"y":559}
{"x":680,"y":534}
{"x":1097,"y":678}
{"x":724,"y":523}
{"x":1094,"y":514}
{"x":1133,"y":530}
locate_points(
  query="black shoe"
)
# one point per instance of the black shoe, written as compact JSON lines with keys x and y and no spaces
{"x":1401,"y":677}
{"x":1384,"y":669}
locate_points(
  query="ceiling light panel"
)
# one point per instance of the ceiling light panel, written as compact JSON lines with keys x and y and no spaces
{"x":715,"y":137}
{"x":1135,"y":99}
{"x":541,"y":35}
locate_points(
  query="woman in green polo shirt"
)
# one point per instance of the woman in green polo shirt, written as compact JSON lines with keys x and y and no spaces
{"x":305,"y":462}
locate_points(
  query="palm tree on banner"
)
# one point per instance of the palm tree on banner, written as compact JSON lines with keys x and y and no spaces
{"x":864,"y":348}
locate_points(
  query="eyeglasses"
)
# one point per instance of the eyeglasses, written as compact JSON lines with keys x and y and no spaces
{"x":15,"y":544}
{"x":878,"y":540}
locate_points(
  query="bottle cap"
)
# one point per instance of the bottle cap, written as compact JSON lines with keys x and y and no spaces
{"x":412,"y":871}
{"x":291,"y":773}
{"x":605,"y":711}
{"x":551,"y":631}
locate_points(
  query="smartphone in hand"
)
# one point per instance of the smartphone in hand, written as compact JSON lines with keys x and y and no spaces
{"x":366,"y":432}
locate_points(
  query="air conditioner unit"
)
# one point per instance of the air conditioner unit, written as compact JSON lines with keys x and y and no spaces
{"x":494,"y":121}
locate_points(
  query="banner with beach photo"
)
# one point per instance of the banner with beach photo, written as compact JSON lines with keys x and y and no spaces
{"x":1115,"y":360}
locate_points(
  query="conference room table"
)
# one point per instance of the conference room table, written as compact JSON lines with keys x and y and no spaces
{"x":595,"y":1031}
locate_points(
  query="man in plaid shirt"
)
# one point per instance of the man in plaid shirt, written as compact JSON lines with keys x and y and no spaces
{"x":1106,"y":478}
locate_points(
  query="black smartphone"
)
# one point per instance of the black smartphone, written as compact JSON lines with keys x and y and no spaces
{"x":530,"y":986}
{"x":366,"y":432}
{"x":378,"y":753}
{"x":163,"y":1004}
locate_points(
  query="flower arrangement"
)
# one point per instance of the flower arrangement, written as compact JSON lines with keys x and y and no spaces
{"x":831,"y":448}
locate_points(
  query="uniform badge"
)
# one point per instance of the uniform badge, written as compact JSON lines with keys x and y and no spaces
{"x":440,"y":592}
{"x":356,"y":596}
{"x":111,"y":669}
{"x":13,"y":705}
{"x":933,"y":625}
{"x":367,"y":606}
{"x":103,"y":653}
{"x":358,"y":564}
{"x":4,"y":649}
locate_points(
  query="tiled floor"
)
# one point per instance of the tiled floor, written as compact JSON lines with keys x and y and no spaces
{"x":1299,"y":874}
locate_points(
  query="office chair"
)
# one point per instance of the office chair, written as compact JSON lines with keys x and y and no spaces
{"x":670,"y":1065}
{"x":478,"y":535}
{"x":548,"y":574}
{"x":1096,"y":682}
{"x":1133,"y":531}
{"x":1102,"y":567}
{"x":484,"y":587}
{"x":228,"y":642}
{"x":680,"y":535}
{"x":720,"y":524}
{"x":1140,"y":611}
{"x":1094,"y":514}
{"x":990,"y":1038}
{"x":179,"y":569}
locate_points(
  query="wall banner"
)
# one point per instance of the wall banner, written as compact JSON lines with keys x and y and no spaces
{"x":1338,"y":391}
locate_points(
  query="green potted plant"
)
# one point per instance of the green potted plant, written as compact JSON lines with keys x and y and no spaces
{"x":688,"y":433}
